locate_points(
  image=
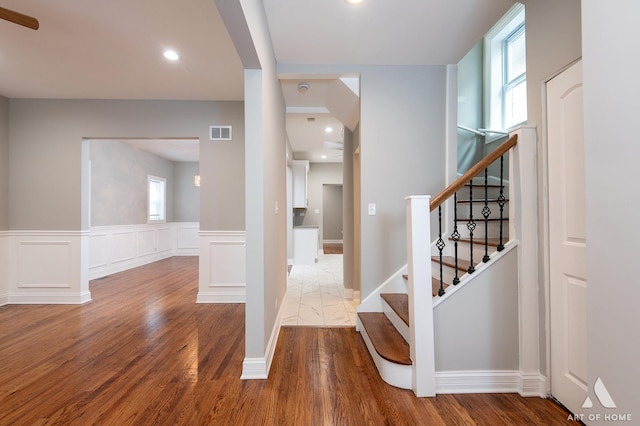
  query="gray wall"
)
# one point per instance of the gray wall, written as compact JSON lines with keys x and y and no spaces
{"x":4,"y":163}
{"x":265,"y":164}
{"x":611,"y":91}
{"x":470,"y":107}
{"x":332,"y":212}
{"x":319,"y":175}
{"x":347,"y":208}
{"x":477,"y":328}
{"x":45,"y":156}
{"x":119,"y":183}
{"x":186,"y":196}
{"x":553,"y":42}
{"x":402,"y":152}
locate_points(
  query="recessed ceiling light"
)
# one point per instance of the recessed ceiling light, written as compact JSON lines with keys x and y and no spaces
{"x":354,"y":1}
{"x":323,"y":156}
{"x":328,"y":129}
{"x":171,"y":55}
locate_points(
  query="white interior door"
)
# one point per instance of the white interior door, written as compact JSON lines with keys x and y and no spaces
{"x":568,"y":285}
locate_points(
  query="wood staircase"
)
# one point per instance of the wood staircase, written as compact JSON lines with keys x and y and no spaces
{"x":387,"y":333}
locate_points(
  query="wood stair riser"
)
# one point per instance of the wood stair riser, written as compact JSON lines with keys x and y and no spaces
{"x":396,"y":320}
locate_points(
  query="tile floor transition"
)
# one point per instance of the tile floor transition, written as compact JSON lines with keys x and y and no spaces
{"x":315,"y":295}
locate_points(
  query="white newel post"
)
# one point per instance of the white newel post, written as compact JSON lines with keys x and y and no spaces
{"x":420,"y":297}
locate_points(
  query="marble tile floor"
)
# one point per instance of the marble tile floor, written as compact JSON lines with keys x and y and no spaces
{"x":315,"y":295}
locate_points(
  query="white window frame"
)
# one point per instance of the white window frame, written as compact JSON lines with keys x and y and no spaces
{"x":494,"y":67}
{"x":161,"y":216}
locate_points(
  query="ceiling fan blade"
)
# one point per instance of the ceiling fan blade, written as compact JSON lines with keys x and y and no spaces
{"x":19,"y":18}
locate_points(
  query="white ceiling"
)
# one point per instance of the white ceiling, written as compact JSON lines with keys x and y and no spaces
{"x":99,"y":49}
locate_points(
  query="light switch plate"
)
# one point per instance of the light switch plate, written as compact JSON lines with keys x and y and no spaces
{"x":372,"y":209}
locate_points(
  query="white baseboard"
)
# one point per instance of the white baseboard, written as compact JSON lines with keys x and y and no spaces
{"x":222,"y":294}
{"x":499,"y":381}
{"x":258,"y":368}
{"x":533,"y":385}
{"x":4,"y":299}
{"x":46,"y":298}
{"x":332,"y":242}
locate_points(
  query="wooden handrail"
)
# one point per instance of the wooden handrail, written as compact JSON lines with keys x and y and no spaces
{"x":472,"y":172}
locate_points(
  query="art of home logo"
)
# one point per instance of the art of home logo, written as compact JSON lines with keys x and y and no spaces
{"x":605,"y":400}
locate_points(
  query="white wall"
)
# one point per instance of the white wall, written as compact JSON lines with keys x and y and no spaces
{"x":611,"y":92}
{"x":553,"y":42}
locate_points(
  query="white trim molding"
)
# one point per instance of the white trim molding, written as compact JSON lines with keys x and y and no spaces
{"x":115,"y":249}
{"x":222,"y":267}
{"x":490,"y":381}
{"x":4,"y":268}
{"x":258,"y":368}
{"x":47,"y":267}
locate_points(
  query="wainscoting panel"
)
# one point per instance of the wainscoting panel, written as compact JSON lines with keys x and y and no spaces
{"x":146,"y":241}
{"x":4,"y":268}
{"x":44,"y":267}
{"x":54,"y":264}
{"x":222,"y":267}
{"x":187,"y":238}
{"x":119,"y":244}
{"x":118,"y":248}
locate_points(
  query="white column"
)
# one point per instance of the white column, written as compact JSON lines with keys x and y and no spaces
{"x":523,"y":224}
{"x":420,"y":297}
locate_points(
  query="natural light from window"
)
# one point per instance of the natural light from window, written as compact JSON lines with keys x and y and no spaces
{"x":157,"y":199}
{"x":505,"y":68}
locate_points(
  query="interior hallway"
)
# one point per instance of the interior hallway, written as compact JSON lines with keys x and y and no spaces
{"x":315,"y":295}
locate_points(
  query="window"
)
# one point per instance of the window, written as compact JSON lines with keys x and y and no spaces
{"x":505,"y":70}
{"x":157,"y":190}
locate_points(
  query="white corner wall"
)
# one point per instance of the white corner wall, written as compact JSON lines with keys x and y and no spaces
{"x":611,"y":91}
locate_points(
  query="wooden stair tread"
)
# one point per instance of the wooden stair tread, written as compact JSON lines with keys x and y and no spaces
{"x":435,"y":285}
{"x":386,"y":340}
{"x":399,"y":302}
{"x":463,"y":265}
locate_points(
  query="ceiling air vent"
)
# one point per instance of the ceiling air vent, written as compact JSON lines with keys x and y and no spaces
{"x":220,"y":133}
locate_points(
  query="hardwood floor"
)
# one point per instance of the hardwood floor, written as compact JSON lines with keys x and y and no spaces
{"x":143,"y":352}
{"x":332,"y":248}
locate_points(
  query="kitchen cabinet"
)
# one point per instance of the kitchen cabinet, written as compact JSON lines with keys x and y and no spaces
{"x":305,"y":244}
{"x":300,"y":170}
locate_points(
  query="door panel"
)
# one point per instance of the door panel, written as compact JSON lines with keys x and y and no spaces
{"x":567,"y":239}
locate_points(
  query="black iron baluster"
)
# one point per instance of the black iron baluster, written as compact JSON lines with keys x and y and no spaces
{"x":486,"y":211}
{"x":455,"y":236}
{"x":471,"y":225}
{"x":440,"y":244}
{"x":501,"y":201}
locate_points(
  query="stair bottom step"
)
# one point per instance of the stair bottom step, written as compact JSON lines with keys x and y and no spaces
{"x":387,"y":341}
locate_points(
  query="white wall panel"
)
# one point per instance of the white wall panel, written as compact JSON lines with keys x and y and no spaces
{"x":164,"y":239}
{"x":146,"y":242}
{"x":53,"y":259}
{"x":4,"y":269}
{"x":121,"y":246}
{"x":222,"y":267}
{"x":118,"y":248}
{"x":43,"y":267}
